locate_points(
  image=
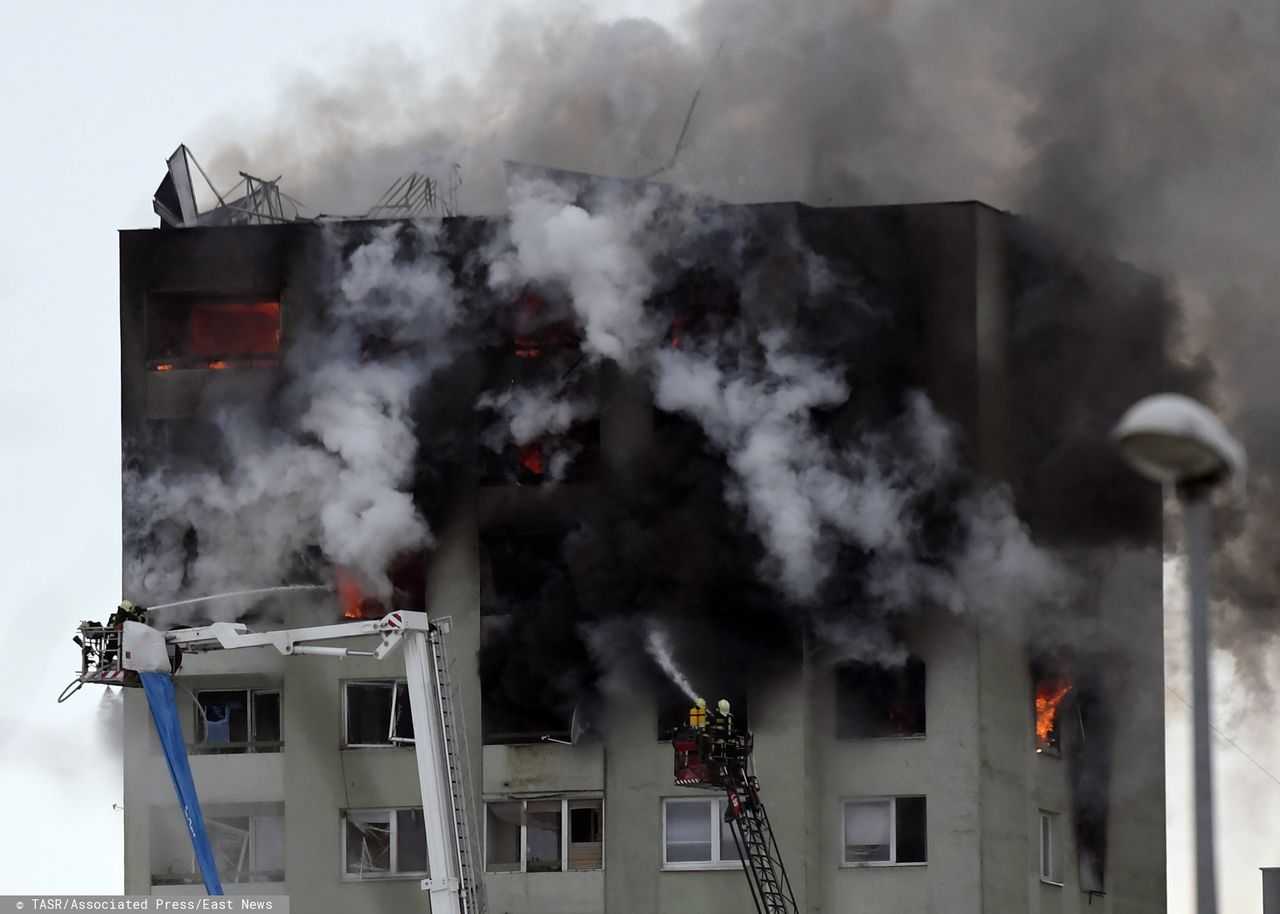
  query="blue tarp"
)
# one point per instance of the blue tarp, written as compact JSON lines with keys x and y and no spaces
{"x":164,"y":711}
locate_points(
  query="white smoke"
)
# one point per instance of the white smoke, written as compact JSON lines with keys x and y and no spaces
{"x":597,"y":255}
{"x":337,"y":476}
{"x":527,"y":413}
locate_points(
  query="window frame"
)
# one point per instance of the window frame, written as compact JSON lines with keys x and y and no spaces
{"x":565,"y":832}
{"x":393,"y":849}
{"x":253,"y":744}
{"x":892,"y":801}
{"x":1048,"y":822}
{"x":716,"y":814}
{"x":393,"y":741}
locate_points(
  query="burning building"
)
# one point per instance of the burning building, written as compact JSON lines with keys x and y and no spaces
{"x":844,"y":466}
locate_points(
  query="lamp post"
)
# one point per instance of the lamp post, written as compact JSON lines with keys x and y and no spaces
{"x":1178,"y":442}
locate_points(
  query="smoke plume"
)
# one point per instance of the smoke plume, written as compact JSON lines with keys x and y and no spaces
{"x":1143,"y":130}
{"x":333,"y":466}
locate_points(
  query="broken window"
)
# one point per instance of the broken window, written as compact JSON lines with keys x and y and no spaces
{"x":229,"y":721}
{"x":528,"y":835}
{"x":377,"y":713}
{"x":695,"y":835}
{"x":211,"y":332}
{"x":885,"y":831}
{"x":527,"y":599}
{"x":875,"y":702}
{"x":247,"y":840}
{"x":378,"y":843}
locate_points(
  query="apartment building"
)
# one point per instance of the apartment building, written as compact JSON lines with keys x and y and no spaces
{"x":979,"y":772}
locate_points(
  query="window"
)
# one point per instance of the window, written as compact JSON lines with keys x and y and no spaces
{"x":378,"y":843}
{"x":247,"y":843}
{"x":377,"y":713}
{"x":529,"y":836}
{"x":527,"y":596}
{"x":695,"y":835}
{"x":191,"y":332}
{"x":1049,"y":868}
{"x":1050,"y":689}
{"x":884,"y":831}
{"x":248,"y":849}
{"x":231,"y":721}
{"x":873,"y":702}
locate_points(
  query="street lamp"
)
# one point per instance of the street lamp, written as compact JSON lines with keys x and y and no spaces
{"x":1177,"y":441}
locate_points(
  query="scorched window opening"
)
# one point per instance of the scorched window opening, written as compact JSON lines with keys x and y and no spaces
{"x":875,"y":702}
{"x":212,"y":332}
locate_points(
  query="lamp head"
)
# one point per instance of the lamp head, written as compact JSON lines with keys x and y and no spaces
{"x":1175,"y":440}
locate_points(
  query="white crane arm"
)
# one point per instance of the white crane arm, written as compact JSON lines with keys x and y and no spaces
{"x":232,"y":635}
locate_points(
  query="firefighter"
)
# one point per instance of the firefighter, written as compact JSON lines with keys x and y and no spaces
{"x":726,"y":718}
{"x":127,"y":611}
{"x":698,"y":713}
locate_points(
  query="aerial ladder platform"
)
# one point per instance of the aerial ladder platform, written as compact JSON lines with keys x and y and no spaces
{"x":122,"y":653}
{"x":713,"y":754}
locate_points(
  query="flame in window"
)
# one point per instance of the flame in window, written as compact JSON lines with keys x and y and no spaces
{"x":212,"y":335}
{"x":349,"y":594}
{"x":1050,"y":694}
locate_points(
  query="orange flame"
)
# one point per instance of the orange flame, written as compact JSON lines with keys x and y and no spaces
{"x":214,"y":364}
{"x":531,"y":458}
{"x":1049,"y":695}
{"x":348,"y":592}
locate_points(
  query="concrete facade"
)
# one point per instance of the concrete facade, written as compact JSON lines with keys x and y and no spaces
{"x":984,"y":784}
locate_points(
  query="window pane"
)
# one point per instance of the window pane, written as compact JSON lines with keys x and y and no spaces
{"x":368,"y":843}
{"x":223,"y":717}
{"x":542,"y":837}
{"x":266,"y":717}
{"x":1046,"y":848}
{"x":411,"y":841}
{"x":688,"y":831}
{"x":728,"y":847}
{"x":866,"y":832}
{"x":584,"y":823}
{"x":586,"y":835}
{"x":910,"y":832}
{"x":229,"y":838}
{"x":268,"y":844}
{"x":368,"y":713}
{"x":502,"y":837}
{"x":404,"y":713}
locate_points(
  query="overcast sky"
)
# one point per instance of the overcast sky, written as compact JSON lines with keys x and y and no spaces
{"x":96,"y":96}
